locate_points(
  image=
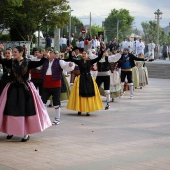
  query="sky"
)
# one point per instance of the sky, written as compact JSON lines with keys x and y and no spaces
{"x":142,"y":10}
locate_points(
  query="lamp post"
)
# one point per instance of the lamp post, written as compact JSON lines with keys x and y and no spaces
{"x":118,"y":21}
{"x":117,"y":29}
{"x":46,"y":20}
{"x":70,"y":26}
{"x":158,"y":16}
{"x":39,"y":25}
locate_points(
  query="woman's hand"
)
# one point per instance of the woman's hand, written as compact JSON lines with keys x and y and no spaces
{"x":1,"y":47}
{"x":70,"y":64}
{"x":73,"y":53}
{"x":45,"y":53}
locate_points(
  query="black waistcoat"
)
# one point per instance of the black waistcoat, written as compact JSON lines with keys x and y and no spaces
{"x":103,"y":66}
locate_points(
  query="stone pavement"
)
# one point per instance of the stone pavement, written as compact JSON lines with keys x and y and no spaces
{"x":132,"y":135}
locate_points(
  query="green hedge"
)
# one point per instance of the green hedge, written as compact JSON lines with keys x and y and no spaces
{"x":5,"y":37}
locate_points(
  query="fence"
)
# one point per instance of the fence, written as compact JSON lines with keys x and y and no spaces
{"x":13,"y":44}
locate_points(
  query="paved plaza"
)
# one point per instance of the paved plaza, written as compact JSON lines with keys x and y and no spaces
{"x":133,"y":135}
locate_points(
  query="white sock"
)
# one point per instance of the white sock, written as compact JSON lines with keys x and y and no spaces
{"x":25,"y":136}
{"x":57,"y":109}
{"x":107,"y":93}
{"x":131,"y":89}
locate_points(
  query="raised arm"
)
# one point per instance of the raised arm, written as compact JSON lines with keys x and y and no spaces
{"x":67,"y":66}
{"x":7,"y":63}
{"x":34,"y":64}
{"x":98,"y":58}
{"x":139,"y":59}
{"x":72,"y":59}
{"x":91,"y":55}
{"x":114,"y":58}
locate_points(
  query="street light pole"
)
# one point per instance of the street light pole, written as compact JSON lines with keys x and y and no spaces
{"x":158,"y":16}
{"x":118,"y":21}
{"x":39,"y":25}
{"x":70,"y":27}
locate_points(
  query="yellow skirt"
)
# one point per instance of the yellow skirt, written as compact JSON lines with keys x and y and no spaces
{"x":84,"y":104}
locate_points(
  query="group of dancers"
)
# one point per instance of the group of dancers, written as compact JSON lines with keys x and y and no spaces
{"x":23,"y":109}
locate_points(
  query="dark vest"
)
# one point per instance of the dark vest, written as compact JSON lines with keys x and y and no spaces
{"x":56,"y":69}
{"x":105,"y":66}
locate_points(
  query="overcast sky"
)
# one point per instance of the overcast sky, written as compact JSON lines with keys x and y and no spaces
{"x":142,"y":10}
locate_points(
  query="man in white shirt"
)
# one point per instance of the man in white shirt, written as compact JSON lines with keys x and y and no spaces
{"x":134,"y":46}
{"x":52,"y":74}
{"x":151,"y":49}
{"x":94,"y":43}
{"x":140,"y":46}
{"x":103,"y":75}
{"x":63,"y":43}
{"x":123,"y":44}
{"x":130,"y":45}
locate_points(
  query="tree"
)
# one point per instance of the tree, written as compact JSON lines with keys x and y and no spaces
{"x":5,"y":5}
{"x":125,"y":21}
{"x":24,"y":16}
{"x":150,"y":32}
{"x":95,"y":29}
{"x":76,"y":25}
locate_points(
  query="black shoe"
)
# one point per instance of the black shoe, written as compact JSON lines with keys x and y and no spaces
{"x":107,"y":106}
{"x":87,"y":114}
{"x":50,"y":105}
{"x":9,"y":136}
{"x":25,"y":139}
{"x":79,"y":113}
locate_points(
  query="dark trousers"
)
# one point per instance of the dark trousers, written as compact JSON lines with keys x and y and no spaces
{"x":38,"y":83}
{"x":105,"y":80}
{"x":54,"y":92}
{"x":128,"y":74}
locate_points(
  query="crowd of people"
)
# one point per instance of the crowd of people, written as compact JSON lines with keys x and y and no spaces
{"x":96,"y":68}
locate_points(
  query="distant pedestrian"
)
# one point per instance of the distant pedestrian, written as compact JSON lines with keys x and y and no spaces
{"x":48,"y":42}
{"x":63,"y":43}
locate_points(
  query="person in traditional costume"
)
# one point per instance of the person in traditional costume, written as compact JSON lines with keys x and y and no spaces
{"x":6,"y":77}
{"x":76,"y":72}
{"x":85,"y":96}
{"x":93,"y":69}
{"x":36,"y":77}
{"x":143,"y":79}
{"x":52,"y":75}
{"x":103,"y":75}
{"x":126,"y":63}
{"x":22,"y":111}
{"x":115,"y":85}
{"x":135,"y":77}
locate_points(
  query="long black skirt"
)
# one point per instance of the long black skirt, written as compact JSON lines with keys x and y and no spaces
{"x":86,"y":87}
{"x":19,"y":101}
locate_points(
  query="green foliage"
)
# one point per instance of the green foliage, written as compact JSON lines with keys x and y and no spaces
{"x":73,"y":43}
{"x":14,"y":2}
{"x":34,"y":39}
{"x":125,"y":24}
{"x":5,"y":37}
{"x":74,"y":22}
{"x":150,"y":32}
{"x":23,"y":18}
{"x":94,"y":30}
